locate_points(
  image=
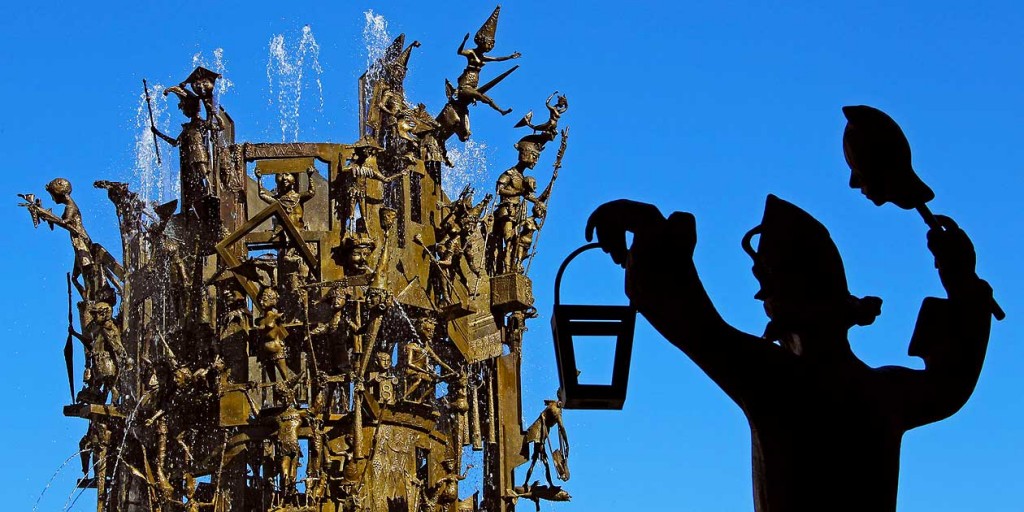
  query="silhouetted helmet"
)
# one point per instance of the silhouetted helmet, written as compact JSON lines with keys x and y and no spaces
{"x":795,"y":254}
{"x":797,"y":261}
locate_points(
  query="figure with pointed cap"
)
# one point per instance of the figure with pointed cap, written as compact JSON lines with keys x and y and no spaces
{"x":193,"y":147}
{"x":397,"y":67}
{"x":826,"y":427}
{"x":469,"y":80}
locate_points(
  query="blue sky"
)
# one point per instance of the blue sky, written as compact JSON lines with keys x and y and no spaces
{"x":704,"y":107}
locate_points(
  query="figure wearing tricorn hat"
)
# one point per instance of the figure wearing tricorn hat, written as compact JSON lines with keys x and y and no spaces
{"x":826,"y":428}
{"x":469,"y":80}
{"x":203,"y":81}
{"x":355,"y":178}
{"x":193,"y":148}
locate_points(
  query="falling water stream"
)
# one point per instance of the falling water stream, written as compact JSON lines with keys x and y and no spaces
{"x":69,"y":503}
{"x":291,"y":69}
{"x":53,"y":477}
{"x":153,"y":176}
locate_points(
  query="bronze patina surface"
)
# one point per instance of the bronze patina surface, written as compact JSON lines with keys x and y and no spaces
{"x":293,"y":339}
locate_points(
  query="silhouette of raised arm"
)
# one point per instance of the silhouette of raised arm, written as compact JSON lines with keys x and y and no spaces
{"x":662,"y":283}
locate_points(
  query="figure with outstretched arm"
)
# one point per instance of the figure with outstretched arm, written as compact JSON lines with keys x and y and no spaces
{"x":469,"y":80}
{"x":192,"y":144}
{"x":89,"y":258}
{"x":825,"y":427}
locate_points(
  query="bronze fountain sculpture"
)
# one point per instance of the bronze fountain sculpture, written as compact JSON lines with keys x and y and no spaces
{"x":336,"y":342}
{"x":333,"y":342}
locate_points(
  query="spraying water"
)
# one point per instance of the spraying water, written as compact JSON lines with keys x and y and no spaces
{"x":375,"y":37}
{"x":55,"y":473}
{"x":217,"y":64}
{"x":289,"y":70}
{"x":469,"y":167}
{"x":155,"y":180}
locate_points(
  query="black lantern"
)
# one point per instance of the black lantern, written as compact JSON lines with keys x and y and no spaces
{"x":570,"y":322}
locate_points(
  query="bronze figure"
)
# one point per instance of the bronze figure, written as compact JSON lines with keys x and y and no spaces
{"x":88,"y":264}
{"x":476,"y":57}
{"x":193,"y":147}
{"x":331,"y":344}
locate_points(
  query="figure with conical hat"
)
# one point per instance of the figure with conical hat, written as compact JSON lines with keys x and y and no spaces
{"x":826,"y":428}
{"x":193,"y":148}
{"x":476,"y":57}
{"x":396,"y":68}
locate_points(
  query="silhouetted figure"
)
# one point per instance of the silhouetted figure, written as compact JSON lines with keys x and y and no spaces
{"x":825,"y":427}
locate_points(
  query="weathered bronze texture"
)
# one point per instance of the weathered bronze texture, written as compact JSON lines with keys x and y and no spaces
{"x":333,"y":342}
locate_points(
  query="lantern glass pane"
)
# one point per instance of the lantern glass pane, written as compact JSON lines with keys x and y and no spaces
{"x":595,"y":358}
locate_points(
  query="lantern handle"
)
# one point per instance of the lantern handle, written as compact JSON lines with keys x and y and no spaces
{"x":561,"y":269}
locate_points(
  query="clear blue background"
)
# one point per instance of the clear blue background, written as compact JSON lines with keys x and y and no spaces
{"x":698,"y":106}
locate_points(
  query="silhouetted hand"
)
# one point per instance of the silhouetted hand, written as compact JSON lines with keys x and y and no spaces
{"x":660,"y":249}
{"x":613,"y":219}
{"x":954,"y":253}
